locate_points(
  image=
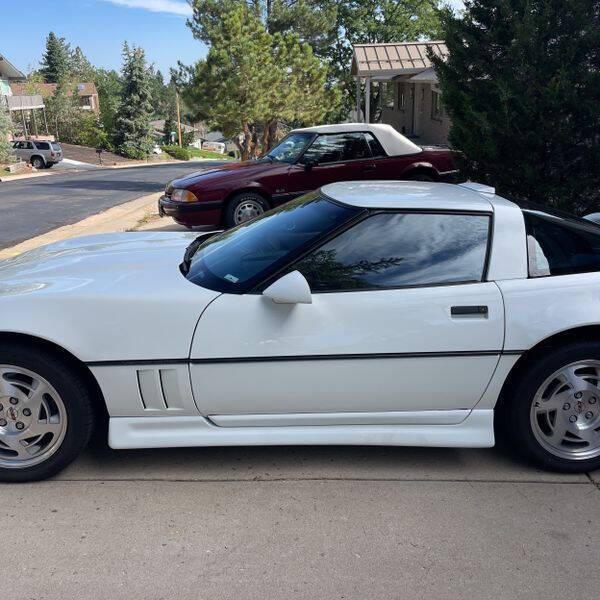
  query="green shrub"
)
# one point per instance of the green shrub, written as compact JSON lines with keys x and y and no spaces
{"x":177,"y":152}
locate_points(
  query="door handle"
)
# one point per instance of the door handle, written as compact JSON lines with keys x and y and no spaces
{"x":459,"y":311}
{"x":369,"y":168}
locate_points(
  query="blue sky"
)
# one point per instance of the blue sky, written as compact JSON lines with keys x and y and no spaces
{"x":100,"y":27}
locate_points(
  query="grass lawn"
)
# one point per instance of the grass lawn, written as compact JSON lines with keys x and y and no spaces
{"x":208,"y":154}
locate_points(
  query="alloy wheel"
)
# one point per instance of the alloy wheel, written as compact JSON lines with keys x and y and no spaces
{"x":565,"y":412}
{"x":33,"y":418}
{"x":247,"y":209}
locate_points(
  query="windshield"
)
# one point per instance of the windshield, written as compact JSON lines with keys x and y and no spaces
{"x":290,"y":147}
{"x":237,"y":260}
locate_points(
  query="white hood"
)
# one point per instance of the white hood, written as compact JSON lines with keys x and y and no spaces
{"x":115,"y":296}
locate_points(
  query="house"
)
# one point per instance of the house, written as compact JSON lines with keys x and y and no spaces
{"x":86,"y":92}
{"x":409,"y":95}
{"x":22,"y":106}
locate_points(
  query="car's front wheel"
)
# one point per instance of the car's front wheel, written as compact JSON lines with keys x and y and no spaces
{"x":46,"y":414}
{"x":243,"y":207}
{"x":553,"y":413}
{"x":37,"y":162}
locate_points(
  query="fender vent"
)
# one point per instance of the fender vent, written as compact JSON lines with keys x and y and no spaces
{"x":159,"y":389}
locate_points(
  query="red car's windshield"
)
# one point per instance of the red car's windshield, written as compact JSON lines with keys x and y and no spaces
{"x":290,"y":148}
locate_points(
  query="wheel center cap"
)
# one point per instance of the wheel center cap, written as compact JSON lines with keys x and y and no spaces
{"x":12,"y":413}
{"x":579,"y":406}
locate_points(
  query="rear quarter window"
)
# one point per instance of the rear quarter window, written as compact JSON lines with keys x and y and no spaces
{"x":560,"y":246}
{"x":42,"y":145}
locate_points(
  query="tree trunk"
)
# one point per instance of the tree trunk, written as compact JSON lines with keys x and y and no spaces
{"x":269,"y":135}
{"x":245,"y":145}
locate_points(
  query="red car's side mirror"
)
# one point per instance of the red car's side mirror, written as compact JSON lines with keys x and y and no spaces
{"x":310,"y":163}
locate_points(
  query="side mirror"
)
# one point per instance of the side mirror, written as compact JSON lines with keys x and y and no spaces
{"x":290,"y":289}
{"x":310,"y":163}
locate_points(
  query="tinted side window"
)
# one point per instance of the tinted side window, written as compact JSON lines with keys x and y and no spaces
{"x":558,"y":246}
{"x":42,"y":145}
{"x":391,"y":250}
{"x":337,"y":148}
{"x":376,"y":148}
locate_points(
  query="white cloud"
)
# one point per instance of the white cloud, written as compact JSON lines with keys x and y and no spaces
{"x":176,"y":7}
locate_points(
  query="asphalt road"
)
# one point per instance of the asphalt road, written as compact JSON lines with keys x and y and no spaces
{"x":30,"y":207}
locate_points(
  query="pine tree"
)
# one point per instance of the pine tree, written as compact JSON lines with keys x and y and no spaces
{"x":56,"y":62}
{"x":522,"y":88}
{"x":133,"y":129}
{"x":80,"y":67}
{"x":251,"y":80}
{"x":5,"y":132}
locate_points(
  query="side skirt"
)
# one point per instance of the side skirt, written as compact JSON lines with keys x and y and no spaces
{"x":476,"y":431}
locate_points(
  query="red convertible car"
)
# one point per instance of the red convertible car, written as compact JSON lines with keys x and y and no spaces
{"x":306,"y":159}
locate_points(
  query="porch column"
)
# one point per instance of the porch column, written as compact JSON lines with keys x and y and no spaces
{"x":25,"y":135}
{"x":35,"y":127}
{"x":45,"y":120}
{"x":357,"y":98}
{"x":367,"y":99}
{"x":417,"y":108}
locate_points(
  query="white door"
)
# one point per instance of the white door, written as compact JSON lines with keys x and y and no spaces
{"x":401,"y":325}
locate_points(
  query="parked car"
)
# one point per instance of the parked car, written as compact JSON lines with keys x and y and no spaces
{"x":390,"y":313}
{"x":40,"y":154}
{"x":305,"y":160}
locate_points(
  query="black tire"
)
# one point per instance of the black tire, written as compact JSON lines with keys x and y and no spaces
{"x":516,"y":427}
{"x":49,"y":165}
{"x":422,"y":176}
{"x":78,"y":404}
{"x":37,"y":162}
{"x":252,"y":198}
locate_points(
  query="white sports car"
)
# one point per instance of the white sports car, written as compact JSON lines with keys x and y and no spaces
{"x":388,"y":313}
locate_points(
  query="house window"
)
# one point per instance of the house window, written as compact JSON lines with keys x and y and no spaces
{"x":437,"y":111}
{"x":401,"y":97}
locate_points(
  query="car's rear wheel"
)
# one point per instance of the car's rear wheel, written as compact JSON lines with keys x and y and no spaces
{"x":553,"y":414}
{"x":37,"y":162}
{"x":243,"y":207}
{"x":46,"y":414}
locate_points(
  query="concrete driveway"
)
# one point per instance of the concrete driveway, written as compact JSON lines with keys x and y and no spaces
{"x":309,"y":522}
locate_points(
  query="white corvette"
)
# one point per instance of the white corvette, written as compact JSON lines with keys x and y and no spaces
{"x":366,"y":313}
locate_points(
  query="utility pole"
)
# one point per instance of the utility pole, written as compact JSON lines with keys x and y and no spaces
{"x":178,"y":117}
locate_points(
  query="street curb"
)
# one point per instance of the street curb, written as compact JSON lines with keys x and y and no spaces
{"x":118,"y":218}
{"x":9,"y":178}
{"x":164,"y":162}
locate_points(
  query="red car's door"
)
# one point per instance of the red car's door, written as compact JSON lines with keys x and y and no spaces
{"x":330,"y":158}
